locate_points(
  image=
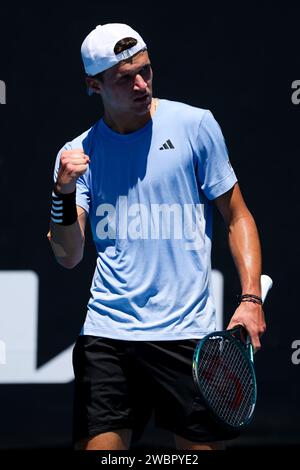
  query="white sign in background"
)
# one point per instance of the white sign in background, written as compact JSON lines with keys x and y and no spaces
{"x":2,"y":92}
{"x":19,"y":292}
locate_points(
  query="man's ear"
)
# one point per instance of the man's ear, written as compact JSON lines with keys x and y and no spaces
{"x":93,"y":85}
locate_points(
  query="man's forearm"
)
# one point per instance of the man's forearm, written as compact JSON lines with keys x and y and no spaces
{"x":246,"y":251}
{"x":245,"y":248}
{"x":67,"y":243}
{"x":67,"y":238}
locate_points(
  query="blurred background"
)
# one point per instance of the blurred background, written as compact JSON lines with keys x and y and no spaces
{"x":242,"y":63}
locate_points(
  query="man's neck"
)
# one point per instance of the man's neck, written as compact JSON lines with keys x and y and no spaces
{"x":126,"y":123}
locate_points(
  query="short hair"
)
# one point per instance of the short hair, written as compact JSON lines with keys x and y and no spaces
{"x":120,"y":46}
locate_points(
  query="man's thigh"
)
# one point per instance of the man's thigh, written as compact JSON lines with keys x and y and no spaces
{"x":108,"y":395}
{"x":178,"y":407}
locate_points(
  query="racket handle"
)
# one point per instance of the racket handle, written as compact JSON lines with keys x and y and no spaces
{"x":250,"y":349}
{"x":266,"y":284}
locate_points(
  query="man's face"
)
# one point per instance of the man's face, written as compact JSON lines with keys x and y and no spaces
{"x":127,"y":87}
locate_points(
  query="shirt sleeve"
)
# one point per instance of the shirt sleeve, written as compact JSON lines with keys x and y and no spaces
{"x":82,"y":185}
{"x":214,"y":172}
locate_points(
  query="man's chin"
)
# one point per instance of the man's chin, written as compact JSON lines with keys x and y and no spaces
{"x":142,"y":105}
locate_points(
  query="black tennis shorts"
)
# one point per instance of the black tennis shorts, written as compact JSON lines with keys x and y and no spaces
{"x":118,"y":384}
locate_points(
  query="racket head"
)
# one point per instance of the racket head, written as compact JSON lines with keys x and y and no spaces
{"x":224,"y":376}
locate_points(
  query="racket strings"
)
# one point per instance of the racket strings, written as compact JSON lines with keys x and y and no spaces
{"x":222,"y":383}
{"x":229,"y":395}
{"x":242,"y":402}
{"x":225,"y":380}
{"x":231,"y":400}
{"x":227,"y":399}
{"x":246,"y":406}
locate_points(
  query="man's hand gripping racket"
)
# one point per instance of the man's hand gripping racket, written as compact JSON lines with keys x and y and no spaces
{"x":224,"y":375}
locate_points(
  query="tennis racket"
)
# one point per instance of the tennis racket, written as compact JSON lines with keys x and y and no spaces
{"x":224,"y":375}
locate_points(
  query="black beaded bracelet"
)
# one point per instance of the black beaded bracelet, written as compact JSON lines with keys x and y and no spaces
{"x":250,"y":298}
{"x":63,"y":210}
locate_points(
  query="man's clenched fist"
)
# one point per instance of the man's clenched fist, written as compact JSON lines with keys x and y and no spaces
{"x":73,"y":163}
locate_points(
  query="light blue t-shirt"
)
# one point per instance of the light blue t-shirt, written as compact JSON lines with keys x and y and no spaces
{"x":148,"y":195}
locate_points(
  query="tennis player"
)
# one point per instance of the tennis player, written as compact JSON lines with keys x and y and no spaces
{"x":146,"y":175}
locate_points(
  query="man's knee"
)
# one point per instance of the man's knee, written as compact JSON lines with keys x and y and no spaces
{"x":185,"y":444}
{"x":112,"y":440}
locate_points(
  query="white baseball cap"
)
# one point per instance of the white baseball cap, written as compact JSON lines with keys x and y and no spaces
{"x":97,"y":50}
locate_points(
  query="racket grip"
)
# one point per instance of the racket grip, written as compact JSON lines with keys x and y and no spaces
{"x":250,"y":349}
{"x":266,"y":284}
